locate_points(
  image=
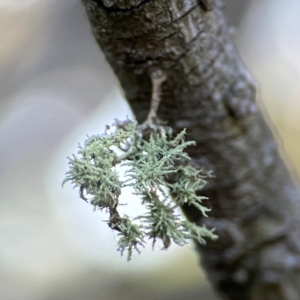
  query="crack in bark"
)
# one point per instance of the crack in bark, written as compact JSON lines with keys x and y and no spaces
{"x":168,"y":36}
{"x":116,"y":9}
{"x":185,"y":14}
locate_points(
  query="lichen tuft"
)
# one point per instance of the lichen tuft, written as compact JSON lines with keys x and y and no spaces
{"x":160,"y":172}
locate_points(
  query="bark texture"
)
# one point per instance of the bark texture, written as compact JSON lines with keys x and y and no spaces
{"x":255,"y":204}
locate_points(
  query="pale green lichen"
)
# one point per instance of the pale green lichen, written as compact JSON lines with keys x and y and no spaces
{"x":160,"y":172}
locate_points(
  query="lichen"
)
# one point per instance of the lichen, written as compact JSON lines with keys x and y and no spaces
{"x":151,"y":160}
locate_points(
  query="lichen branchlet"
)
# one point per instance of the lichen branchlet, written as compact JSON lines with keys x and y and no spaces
{"x":151,"y":161}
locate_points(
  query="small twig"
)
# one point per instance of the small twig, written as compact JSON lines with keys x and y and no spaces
{"x":157,"y":78}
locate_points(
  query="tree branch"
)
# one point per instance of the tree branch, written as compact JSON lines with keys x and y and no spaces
{"x":255,"y":205}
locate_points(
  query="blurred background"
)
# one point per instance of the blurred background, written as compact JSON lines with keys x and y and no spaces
{"x":55,"y":87}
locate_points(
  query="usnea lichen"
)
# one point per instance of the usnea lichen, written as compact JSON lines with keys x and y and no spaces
{"x":159,"y":171}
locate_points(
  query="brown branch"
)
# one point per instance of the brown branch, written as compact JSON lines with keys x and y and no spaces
{"x":209,"y":92}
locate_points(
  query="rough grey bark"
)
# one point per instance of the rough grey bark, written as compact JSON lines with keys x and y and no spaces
{"x":255,"y":204}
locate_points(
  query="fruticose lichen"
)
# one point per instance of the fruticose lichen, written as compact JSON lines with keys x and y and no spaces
{"x":159,"y":171}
